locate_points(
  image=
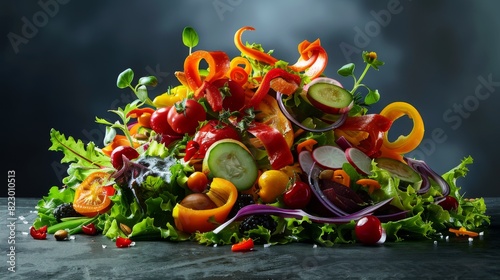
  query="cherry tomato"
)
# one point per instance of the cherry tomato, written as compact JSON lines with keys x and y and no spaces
{"x":244,"y":245}
{"x":197,"y":182}
{"x":213,"y":131}
{"x":89,"y":229}
{"x":298,"y":196}
{"x":449,"y":203}
{"x":91,"y":197}
{"x":186,"y":116}
{"x":123,"y":242}
{"x":368,"y":230}
{"x":272,"y":183}
{"x":159,"y":121}
{"x":119,"y":152}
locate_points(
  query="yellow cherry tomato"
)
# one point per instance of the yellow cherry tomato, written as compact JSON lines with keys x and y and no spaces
{"x":403,"y":144}
{"x":272,"y":184}
{"x":170,"y":97}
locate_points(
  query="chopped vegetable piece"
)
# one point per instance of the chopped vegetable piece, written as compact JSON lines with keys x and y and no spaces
{"x":123,"y":242}
{"x":40,"y":233}
{"x":341,"y":177}
{"x":306,"y":144}
{"x":371,"y":184}
{"x":463,"y":231}
{"x":245,"y":245}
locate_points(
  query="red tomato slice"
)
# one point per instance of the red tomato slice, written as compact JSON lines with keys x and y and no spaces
{"x":91,"y":197}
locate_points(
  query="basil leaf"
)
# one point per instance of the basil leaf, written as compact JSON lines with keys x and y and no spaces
{"x":189,"y":37}
{"x":125,"y":78}
{"x":346,"y":70}
{"x":148,"y":81}
{"x":372,"y":97}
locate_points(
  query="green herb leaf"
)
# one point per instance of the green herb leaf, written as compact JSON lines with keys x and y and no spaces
{"x":142,"y":93}
{"x":125,"y":78}
{"x":372,"y":97}
{"x":189,"y":37}
{"x":109,"y":136}
{"x":346,"y":70}
{"x":148,"y":81}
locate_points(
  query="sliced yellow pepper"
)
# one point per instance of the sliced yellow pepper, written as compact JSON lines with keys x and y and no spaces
{"x":269,"y":113}
{"x":403,"y":144}
{"x":223,"y":193}
{"x":170,"y":97}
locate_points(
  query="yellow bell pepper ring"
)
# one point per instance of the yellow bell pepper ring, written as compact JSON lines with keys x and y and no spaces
{"x":223,"y":193}
{"x":404,"y":143}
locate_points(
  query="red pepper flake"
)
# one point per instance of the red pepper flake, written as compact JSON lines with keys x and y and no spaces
{"x":39,"y":234}
{"x":123,"y":242}
{"x":245,"y":245}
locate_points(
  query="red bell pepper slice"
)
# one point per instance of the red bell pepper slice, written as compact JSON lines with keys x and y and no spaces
{"x":245,"y":245}
{"x":40,"y":233}
{"x":213,"y":95}
{"x":375,"y":125}
{"x":192,"y":148}
{"x":277,"y":149}
{"x":265,"y":84}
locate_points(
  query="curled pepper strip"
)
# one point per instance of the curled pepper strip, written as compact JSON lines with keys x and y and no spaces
{"x":403,"y":144}
{"x":265,"y":84}
{"x":313,"y":59}
{"x":375,"y":125}
{"x":252,"y":53}
{"x":276,"y":146}
{"x":239,"y":74}
{"x":218,"y":64}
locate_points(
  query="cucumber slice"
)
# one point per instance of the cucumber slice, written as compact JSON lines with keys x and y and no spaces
{"x":231,"y":160}
{"x":330,"y":98}
{"x":399,"y":170}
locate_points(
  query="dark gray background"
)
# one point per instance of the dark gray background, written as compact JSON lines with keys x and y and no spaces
{"x":63,"y":74}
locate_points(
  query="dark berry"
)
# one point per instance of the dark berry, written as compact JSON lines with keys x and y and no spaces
{"x":242,"y":201}
{"x":255,"y":221}
{"x":65,"y":210}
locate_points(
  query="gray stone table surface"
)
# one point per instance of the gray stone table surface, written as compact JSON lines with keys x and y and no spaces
{"x":96,"y":257}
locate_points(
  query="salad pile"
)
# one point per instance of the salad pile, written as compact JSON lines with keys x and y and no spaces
{"x":253,"y":149}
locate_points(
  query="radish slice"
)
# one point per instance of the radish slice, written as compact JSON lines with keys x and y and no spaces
{"x":359,"y":160}
{"x":330,"y":157}
{"x":306,"y":161}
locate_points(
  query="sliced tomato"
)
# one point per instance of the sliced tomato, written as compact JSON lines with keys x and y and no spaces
{"x":91,"y":196}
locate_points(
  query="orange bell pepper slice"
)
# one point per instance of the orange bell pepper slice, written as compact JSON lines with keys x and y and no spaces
{"x":252,"y":53}
{"x":306,"y":144}
{"x":341,"y":177}
{"x":313,"y":59}
{"x":371,"y":184}
{"x":403,"y":144}
{"x":223,"y":193}
{"x":218,"y":64}
{"x":119,"y":140}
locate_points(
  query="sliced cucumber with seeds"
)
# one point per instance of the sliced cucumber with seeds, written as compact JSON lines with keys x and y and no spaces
{"x":231,"y":160}
{"x":330,"y":98}
{"x":399,"y":169}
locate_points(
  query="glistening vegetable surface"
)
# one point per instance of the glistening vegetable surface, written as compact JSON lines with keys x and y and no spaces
{"x":256,"y":148}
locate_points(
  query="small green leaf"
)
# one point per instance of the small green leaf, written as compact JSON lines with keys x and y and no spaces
{"x":109,"y":136}
{"x":148,"y":81}
{"x":125,"y":78}
{"x":142,"y":93}
{"x":346,"y":70}
{"x":190,"y":37}
{"x":372,"y":97}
